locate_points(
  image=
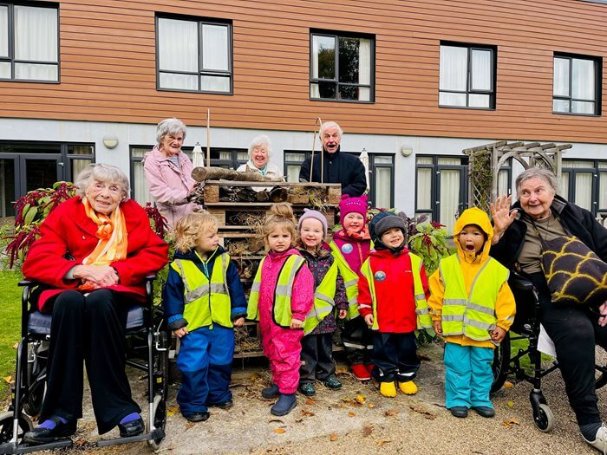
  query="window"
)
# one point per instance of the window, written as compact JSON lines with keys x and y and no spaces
{"x":577,"y":85}
{"x":29,"y":42}
{"x":220,"y":157}
{"x":585,"y":183}
{"x":442,"y":188}
{"x":194,"y":55}
{"x":341,"y":67}
{"x":26,"y":166}
{"x":467,"y":76}
{"x":381,"y":174}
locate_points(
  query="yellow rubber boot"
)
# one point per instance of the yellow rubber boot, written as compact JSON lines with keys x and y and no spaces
{"x":387,"y":389}
{"x":408,"y":388}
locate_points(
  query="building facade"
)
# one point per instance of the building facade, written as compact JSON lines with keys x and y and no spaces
{"x":411,"y":83}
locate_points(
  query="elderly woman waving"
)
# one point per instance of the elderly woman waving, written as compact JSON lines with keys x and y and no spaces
{"x":92,"y":257}
{"x":168,"y":172}
{"x":259,"y":157}
{"x":521,"y":233}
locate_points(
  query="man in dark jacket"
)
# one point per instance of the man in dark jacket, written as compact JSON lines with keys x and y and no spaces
{"x":338,"y":167}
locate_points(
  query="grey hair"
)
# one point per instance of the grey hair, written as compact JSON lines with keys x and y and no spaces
{"x":260,"y":141}
{"x":169,"y":126}
{"x":330,"y":124}
{"x":537,"y":172}
{"x":102,"y":173}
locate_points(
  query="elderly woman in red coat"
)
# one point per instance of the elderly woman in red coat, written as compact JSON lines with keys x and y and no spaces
{"x":92,"y":256}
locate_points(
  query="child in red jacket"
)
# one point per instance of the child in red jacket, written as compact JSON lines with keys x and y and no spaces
{"x":393,"y":316}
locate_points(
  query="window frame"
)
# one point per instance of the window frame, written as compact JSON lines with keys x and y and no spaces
{"x":336,"y":35}
{"x":11,"y":42}
{"x":594,"y":167}
{"x":201,"y":71}
{"x":598,"y":72}
{"x":492,"y":92}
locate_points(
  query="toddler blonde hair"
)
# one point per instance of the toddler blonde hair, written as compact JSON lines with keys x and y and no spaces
{"x":280,"y":217}
{"x":190,"y":227}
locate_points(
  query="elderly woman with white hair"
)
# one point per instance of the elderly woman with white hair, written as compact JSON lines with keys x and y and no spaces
{"x":92,"y":257}
{"x":168,"y":172}
{"x":259,"y":158}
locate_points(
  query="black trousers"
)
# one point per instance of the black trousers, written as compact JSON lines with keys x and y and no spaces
{"x":575,"y":333}
{"x":357,"y":339}
{"x":394,"y":356}
{"x":90,"y":329}
{"x":316,"y":357}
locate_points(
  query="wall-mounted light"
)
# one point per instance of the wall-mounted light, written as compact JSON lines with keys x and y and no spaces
{"x":406,"y":151}
{"x":110,"y":142}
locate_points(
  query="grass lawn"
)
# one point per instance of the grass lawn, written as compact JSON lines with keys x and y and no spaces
{"x":10,"y":323}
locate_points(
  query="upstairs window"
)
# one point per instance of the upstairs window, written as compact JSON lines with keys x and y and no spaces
{"x":194,"y":55}
{"x":467,"y":76}
{"x":342,"y":67}
{"x":577,"y":85}
{"x":29,"y":42}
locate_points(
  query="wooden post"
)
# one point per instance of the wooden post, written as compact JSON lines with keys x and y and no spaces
{"x":208,"y":137}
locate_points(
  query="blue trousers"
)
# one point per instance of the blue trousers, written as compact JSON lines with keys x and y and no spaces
{"x":205,"y":362}
{"x":468,"y":376}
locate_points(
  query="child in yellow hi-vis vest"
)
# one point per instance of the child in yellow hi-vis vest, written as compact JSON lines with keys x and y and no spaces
{"x":472,"y":308}
{"x":203,"y":300}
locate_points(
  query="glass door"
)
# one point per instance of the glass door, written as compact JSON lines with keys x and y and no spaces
{"x":40,"y":170}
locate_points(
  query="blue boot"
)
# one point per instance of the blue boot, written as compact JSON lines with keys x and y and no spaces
{"x":284,"y":405}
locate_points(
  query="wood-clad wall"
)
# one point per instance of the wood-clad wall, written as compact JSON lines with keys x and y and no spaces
{"x":107,"y":64}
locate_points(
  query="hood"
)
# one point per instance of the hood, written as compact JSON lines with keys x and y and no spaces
{"x":475,"y":216}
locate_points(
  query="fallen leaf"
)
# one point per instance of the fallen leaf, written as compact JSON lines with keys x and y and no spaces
{"x":391,"y":412}
{"x":310,"y":401}
{"x":351,"y":414}
{"x":370,"y":405}
{"x":279,"y":430}
{"x":510,"y":404}
{"x":360,"y":398}
{"x":171,"y":410}
{"x":8,"y":379}
{"x":384,"y":441}
{"x":367,"y":430}
{"x":510,"y":422}
{"x":15,"y":346}
{"x":333,"y":437}
{"x":508,"y":385}
{"x":421,"y":409}
{"x":305,"y":412}
{"x":189,"y":425}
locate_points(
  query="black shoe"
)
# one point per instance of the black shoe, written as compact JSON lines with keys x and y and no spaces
{"x":40,"y":435}
{"x":484,"y":411}
{"x":225,"y":405}
{"x":132,"y":428}
{"x":332,"y":383}
{"x":197,"y":416}
{"x":307,"y":389}
{"x":459,"y":411}
{"x":270,"y":392}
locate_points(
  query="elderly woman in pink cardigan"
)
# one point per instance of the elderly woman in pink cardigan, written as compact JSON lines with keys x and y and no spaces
{"x":168,"y":171}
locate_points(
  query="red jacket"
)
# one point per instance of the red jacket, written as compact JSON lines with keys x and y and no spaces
{"x":393,"y":290}
{"x":68,"y":236}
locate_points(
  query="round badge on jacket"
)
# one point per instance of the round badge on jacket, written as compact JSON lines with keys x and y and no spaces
{"x":380,"y":275}
{"x":347,"y":248}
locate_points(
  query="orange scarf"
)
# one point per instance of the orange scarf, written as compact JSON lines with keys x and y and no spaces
{"x":363,"y":234}
{"x":112,"y":235}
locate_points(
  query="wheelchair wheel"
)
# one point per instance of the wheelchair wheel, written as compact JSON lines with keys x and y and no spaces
{"x":33,"y":401}
{"x":543,"y":418}
{"x":6,"y":426}
{"x":159,"y":410}
{"x":501,"y":363}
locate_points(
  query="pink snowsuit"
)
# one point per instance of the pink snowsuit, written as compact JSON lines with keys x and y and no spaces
{"x":282,"y":346}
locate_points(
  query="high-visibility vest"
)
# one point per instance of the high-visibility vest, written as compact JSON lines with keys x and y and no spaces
{"x":424,"y":321}
{"x":281,"y":307}
{"x":350,"y":278}
{"x":206,"y":301}
{"x":472,"y":315}
{"x":324,"y":299}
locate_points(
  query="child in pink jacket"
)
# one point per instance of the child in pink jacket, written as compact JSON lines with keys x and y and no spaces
{"x":281,"y":297}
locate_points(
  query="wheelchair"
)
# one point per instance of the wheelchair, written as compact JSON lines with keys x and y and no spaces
{"x":147,"y":342}
{"x":526,"y":326}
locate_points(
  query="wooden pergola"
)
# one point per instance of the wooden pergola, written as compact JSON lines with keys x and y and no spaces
{"x":485,"y":162}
